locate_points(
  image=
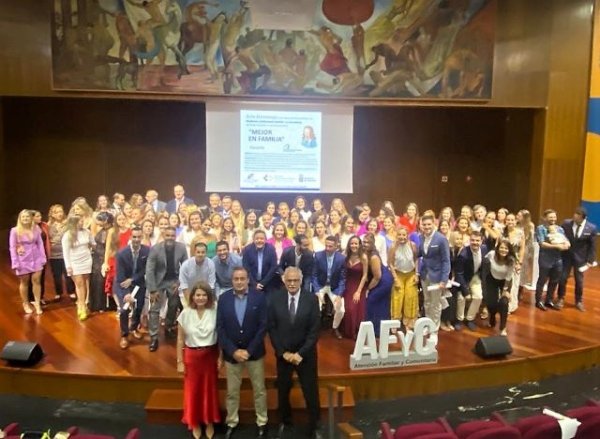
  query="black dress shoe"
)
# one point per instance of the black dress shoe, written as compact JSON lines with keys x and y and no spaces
{"x":551,"y":305}
{"x":170,"y":333}
{"x":262,"y":432}
{"x":283,"y":431}
{"x":230,"y":431}
{"x":153,"y":345}
{"x":541,"y":306}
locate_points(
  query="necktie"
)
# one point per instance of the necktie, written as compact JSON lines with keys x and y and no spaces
{"x":260,"y":263}
{"x":292,"y":309}
{"x":135,"y":258}
{"x":577,"y":230}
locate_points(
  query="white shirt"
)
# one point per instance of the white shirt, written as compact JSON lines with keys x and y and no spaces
{"x":317,"y":245}
{"x":426,"y":242}
{"x":199,"y":331}
{"x":581,"y":227}
{"x":499,"y":271}
{"x":476,"y":260}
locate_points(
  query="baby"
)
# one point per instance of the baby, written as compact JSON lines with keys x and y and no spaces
{"x":555,"y":236}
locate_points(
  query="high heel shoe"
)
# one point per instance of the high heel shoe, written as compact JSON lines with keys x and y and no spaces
{"x":38,"y":308}
{"x":27,"y":308}
{"x":82,"y":314}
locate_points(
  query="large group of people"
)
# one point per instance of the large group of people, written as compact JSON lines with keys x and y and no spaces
{"x":220,"y":277}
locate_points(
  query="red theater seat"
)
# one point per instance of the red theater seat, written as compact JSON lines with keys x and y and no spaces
{"x":502,"y":432}
{"x":386,"y":431}
{"x":11,"y":429}
{"x":411,"y":431}
{"x":524,"y":425}
{"x":134,"y":433}
{"x":589,"y":428}
{"x":542,"y":429}
{"x":466,"y":429}
{"x":584,"y":412}
{"x":437,"y":436}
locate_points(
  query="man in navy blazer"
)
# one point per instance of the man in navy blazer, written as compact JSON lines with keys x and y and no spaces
{"x":131,"y":268}
{"x":180,"y":198}
{"x":468,"y":275}
{"x":241,"y":328}
{"x":329,"y":278}
{"x":260,"y":261}
{"x":582,"y":253}
{"x":434,"y":269}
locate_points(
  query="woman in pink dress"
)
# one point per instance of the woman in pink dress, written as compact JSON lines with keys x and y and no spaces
{"x":28,"y":259}
{"x":280,"y":240}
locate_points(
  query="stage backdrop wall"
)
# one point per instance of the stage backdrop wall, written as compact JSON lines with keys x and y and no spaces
{"x":57,"y":149}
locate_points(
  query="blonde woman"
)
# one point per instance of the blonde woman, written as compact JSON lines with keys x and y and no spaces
{"x":516,"y":237}
{"x":402,"y":260}
{"x":237,"y":215}
{"x":250,"y":225}
{"x":318,"y":241}
{"x":194,"y":229}
{"x":81,"y":208}
{"x":57,"y":224}
{"x":28,"y":259}
{"x":77,"y":244}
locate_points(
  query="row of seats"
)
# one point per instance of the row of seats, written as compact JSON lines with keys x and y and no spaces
{"x":497,"y":427}
{"x":13,"y":431}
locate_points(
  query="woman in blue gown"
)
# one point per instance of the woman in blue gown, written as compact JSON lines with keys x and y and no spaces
{"x":379,"y":286}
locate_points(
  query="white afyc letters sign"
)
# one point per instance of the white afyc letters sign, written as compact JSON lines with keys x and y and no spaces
{"x":366,"y":355}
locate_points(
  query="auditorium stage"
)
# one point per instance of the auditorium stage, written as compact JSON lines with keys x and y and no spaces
{"x":84,"y":361}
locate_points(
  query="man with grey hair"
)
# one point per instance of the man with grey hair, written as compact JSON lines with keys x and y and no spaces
{"x":153,"y":201}
{"x":294,"y":324}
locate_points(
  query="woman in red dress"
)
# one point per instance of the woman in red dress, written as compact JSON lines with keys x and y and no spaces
{"x":357,"y":266}
{"x":198,"y":358}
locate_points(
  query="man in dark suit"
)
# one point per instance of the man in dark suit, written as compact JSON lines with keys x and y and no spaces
{"x":329,"y":278}
{"x":549,"y":259}
{"x":468,"y":275}
{"x":214,"y":203}
{"x":294,"y":324}
{"x":582,"y":253}
{"x":131,"y":267}
{"x":162,"y":281}
{"x":299,"y":256}
{"x":180,"y":198}
{"x":260,"y":261}
{"x":434,"y":268}
{"x":241,"y":327}
{"x":153,"y":201}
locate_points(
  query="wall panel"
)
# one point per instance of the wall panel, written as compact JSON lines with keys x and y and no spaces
{"x":58,"y":149}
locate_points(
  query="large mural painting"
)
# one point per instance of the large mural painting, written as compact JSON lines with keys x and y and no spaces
{"x":406,"y":49}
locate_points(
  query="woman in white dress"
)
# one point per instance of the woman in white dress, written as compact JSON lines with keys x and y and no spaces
{"x":77,"y":244}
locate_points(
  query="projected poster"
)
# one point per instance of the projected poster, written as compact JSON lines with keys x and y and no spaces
{"x":280,"y":151}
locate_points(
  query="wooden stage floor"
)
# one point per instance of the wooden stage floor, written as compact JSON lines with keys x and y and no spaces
{"x":83,"y":359}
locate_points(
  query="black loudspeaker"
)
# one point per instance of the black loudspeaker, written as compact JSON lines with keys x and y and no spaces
{"x":491,"y":347}
{"x":22,"y":353}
